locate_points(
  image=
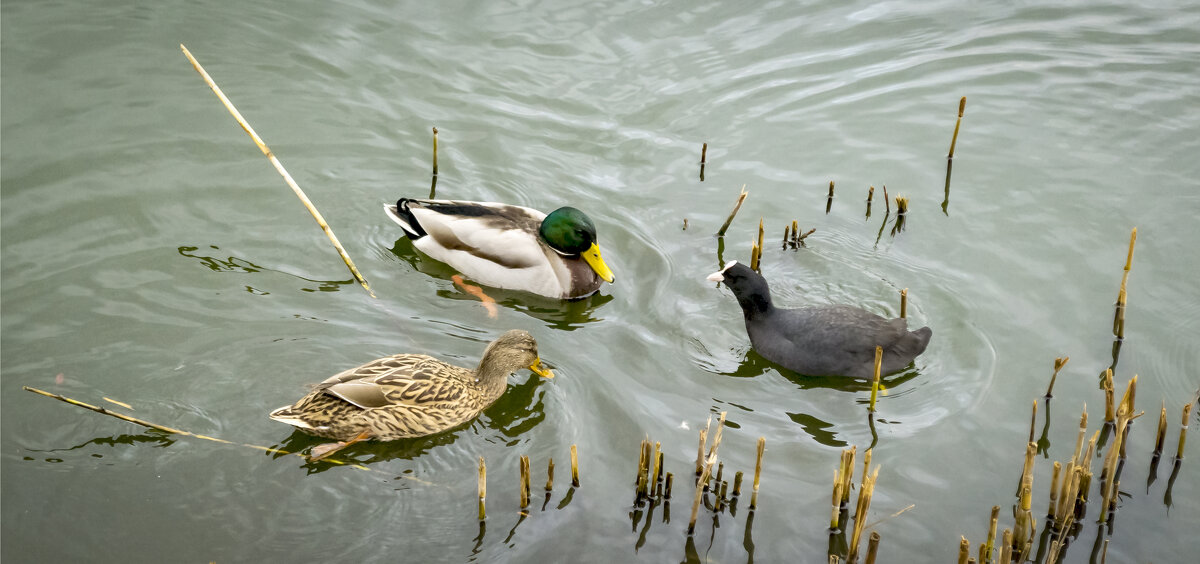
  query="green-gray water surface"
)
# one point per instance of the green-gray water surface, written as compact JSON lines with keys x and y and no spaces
{"x":151,"y":255}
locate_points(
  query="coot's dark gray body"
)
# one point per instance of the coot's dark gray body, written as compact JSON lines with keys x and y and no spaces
{"x":837,"y":340}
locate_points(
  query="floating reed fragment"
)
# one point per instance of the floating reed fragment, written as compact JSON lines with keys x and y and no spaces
{"x":875,"y":381}
{"x":279,"y":167}
{"x":1059,"y":363}
{"x":574,"y":467}
{"x":903,"y":303}
{"x":962,"y":105}
{"x":732,"y":214}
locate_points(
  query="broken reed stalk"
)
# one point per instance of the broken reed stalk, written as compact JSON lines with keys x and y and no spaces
{"x":903,"y":303}
{"x":847,"y":468}
{"x":991,"y":537}
{"x":1006,"y":546}
{"x":700,"y":449}
{"x":837,"y":500}
{"x":787,"y":235}
{"x":524,"y":482}
{"x":737,"y":484}
{"x":865,"y":491}
{"x":762,"y":445}
{"x":962,"y":105}
{"x":482,"y":489}
{"x":887,"y":205}
{"x":829,"y":202}
{"x":1106,"y":384}
{"x":703,"y":152}
{"x":875,"y":381}
{"x":1059,"y":363}
{"x":1033,"y":421}
{"x":1125,"y":408}
{"x":1119,"y":315}
{"x":1025,"y":524}
{"x":574,"y":467}
{"x":872,"y":547}
{"x":702,"y":485}
{"x":656,"y":470}
{"x":1187,"y":414}
{"x":870,"y":194}
{"x":732,"y":214}
{"x":1161,"y":436}
{"x":757,"y":248}
{"x":435,"y":168}
{"x":279,"y":167}
{"x":901,"y":205}
{"x":1054,"y":487}
{"x":550,"y":475}
{"x":964,"y":550}
{"x":670,"y":482}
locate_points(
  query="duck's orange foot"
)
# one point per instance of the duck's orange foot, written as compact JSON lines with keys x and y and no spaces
{"x":321,"y":452}
{"x":488,"y":302}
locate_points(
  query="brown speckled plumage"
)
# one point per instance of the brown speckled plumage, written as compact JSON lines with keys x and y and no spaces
{"x":410,"y":395}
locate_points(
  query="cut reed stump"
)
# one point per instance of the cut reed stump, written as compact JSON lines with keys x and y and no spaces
{"x":737,"y":206}
{"x":279,"y":167}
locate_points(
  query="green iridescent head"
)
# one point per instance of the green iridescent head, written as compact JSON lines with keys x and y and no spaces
{"x":571,"y":232}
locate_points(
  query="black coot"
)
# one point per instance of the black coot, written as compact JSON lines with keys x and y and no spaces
{"x":837,"y":340}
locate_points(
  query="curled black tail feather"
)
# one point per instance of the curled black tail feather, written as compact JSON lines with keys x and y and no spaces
{"x":404,"y":213}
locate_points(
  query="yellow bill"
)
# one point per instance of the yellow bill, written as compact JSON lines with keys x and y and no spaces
{"x":592,"y":256}
{"x":540,"y":370}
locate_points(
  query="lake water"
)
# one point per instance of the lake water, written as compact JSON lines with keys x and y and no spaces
{"x":152,"y":256}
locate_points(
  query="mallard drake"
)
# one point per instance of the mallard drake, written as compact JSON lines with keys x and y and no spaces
{"x":410,"y":395}
{"x":506,"y":246}
{"x":834,"y":340}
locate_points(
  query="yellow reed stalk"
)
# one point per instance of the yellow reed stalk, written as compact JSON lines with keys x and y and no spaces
{"x":991,"y":537}
{"x":962,"y":105}
{"x":574,"y":467}
{"x":524,"y":482}
{"x":866,"y":490}
{"x":1106,"y":384}
{"x":1129,"y":257}
{"x":1006,"y":547}
{"x":1054,"y":485}
{"x":837,"y":500}
{"x":1161,"y":436}
{"x":482,"y":489}
{"x":550,"y":475}
{"x":1059,"y":363}
{"x":1033,"y":421}
{"x":736,"y":207}
{"x":875,"y":381}
{"x":1187,"y":414}
{"x":762,"y":445}
{"x":964,"y":550}
{"x":279,"y":167}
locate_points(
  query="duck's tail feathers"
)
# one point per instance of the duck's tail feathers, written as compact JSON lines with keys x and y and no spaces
{"x":401,"y":214}
{"x":286,"y":415}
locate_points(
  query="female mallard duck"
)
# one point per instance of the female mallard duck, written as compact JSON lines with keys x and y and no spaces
{"x":508,"y":246}
{"x":410,"y":395}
